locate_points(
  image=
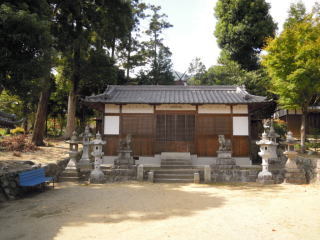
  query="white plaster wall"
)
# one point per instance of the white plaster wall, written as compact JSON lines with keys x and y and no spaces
{"x":240,"y":126}
{"x":240,"y":108}
{"x":111,"y":108}
{"x":137,"y":108}
{"x":111,"y":125}
{"x":214,"y":108}
{"x":174,"y":107}
{"x":150,"y":161}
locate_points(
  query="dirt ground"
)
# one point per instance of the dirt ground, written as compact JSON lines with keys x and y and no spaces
{"x":56,"y":150}
{"x":165,"y":211}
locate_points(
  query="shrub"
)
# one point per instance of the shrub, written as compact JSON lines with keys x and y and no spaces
{"x":17,"y":130}
{"x":19,"y":143}
{"x":280,"y":127}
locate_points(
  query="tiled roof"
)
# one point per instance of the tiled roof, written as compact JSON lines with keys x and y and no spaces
{"x":157,"y":94}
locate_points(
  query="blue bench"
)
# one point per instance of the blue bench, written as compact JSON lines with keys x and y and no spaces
{"x":34,"y":177}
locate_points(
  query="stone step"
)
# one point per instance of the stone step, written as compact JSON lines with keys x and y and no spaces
{"x":173,"y":176}
{"x":177,"y":171}
{"x":173,"y":180}
{"x":68,"y":179}
{"x":177,"y":166}
{"x":175,"y":162}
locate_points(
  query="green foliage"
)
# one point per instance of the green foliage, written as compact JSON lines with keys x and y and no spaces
{"x":293,"y":63}
{"x":297,"y":13}
{"x":196,"y":70}
{"x":157,"y":55}
{"x":24,"y":40}
{"x":231,"y":73}
{"x":280,"y":127}
{"x":17,"y":130}
{"x":242,"y":28}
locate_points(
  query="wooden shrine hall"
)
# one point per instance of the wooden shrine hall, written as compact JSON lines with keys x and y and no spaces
{"x":176,"y":119}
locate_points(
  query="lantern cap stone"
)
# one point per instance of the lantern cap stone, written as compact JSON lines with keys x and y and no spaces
{"x":290,"y":140}
{"x":264,"y":140}
{"x":98,"y":140}
{"x":272,"y":133}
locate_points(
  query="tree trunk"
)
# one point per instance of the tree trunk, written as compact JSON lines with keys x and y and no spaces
{"x":71,"y":117}
{"x":39,"y":125}
{"x":72,"y":100}
{"x":303,"y":129}
{"x":129,"y":57}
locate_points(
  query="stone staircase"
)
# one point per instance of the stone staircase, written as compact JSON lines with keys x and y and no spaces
{"x":69,"y":175}
{"x":175,"y":168}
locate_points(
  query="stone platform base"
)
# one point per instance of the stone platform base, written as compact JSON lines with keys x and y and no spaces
{"x":296,"y":176}
{"x":234,"y":175}
{"x":118,"y":175}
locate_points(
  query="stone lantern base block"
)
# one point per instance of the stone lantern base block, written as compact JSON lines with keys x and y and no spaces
{"x":84,"y":166}
{"x":265,"y":178}
{"x":97,"y":176}
{"x":295,"y":176}
{"x":224,"y":154}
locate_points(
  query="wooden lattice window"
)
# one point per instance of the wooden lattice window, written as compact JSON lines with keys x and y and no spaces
{"x":175,"y":127}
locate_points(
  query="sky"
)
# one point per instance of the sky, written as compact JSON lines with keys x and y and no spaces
{"x":193,"y":26}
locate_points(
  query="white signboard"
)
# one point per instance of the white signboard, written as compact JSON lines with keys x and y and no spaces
{"x":240,"y":126}
{"x":111,"y":125}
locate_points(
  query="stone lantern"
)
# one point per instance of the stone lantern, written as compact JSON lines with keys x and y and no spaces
{"x":272,"y":135}
{"x":292,"y":173}
{"x":84,"y":162}
{"x":73,"y":151}
{"x":265,"y":176}
{"x":97,"y":176}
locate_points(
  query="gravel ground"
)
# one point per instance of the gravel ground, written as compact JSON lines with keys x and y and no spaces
{"x":146,"y":211}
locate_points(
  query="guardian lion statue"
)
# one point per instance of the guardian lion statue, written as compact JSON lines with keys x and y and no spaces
{"x":224,"y":144}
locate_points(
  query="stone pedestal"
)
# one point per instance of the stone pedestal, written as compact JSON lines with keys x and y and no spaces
{"x":125,"y":159}
{"x":224,"y":154}
{"x":207,"y":174}
{"x":72,"y":164}
{"x":293,"y":174}
{"x":140,"y":173}
{"x":225,"y":160}
{"x":151,"y":176}
{"x":318,"y":171}
{"x":196,"y":178}
{"x":97,"y":176}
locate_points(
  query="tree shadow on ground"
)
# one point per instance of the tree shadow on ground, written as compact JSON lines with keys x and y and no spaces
{"x":41,"y":216}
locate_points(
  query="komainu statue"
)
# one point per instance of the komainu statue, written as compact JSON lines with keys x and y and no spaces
{"x":224,"y":144}
{"x":125,"y":144}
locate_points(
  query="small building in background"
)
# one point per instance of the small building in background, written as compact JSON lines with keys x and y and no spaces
{"x":293,"y":119}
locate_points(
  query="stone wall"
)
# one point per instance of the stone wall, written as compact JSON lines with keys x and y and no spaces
{"x":9,"y":179}
{"x":234,"y":175}
{"x":119,"y":175}
{"x":311,"y":167}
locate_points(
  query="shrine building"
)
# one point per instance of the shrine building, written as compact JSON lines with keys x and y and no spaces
{"x":185,"y":119}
